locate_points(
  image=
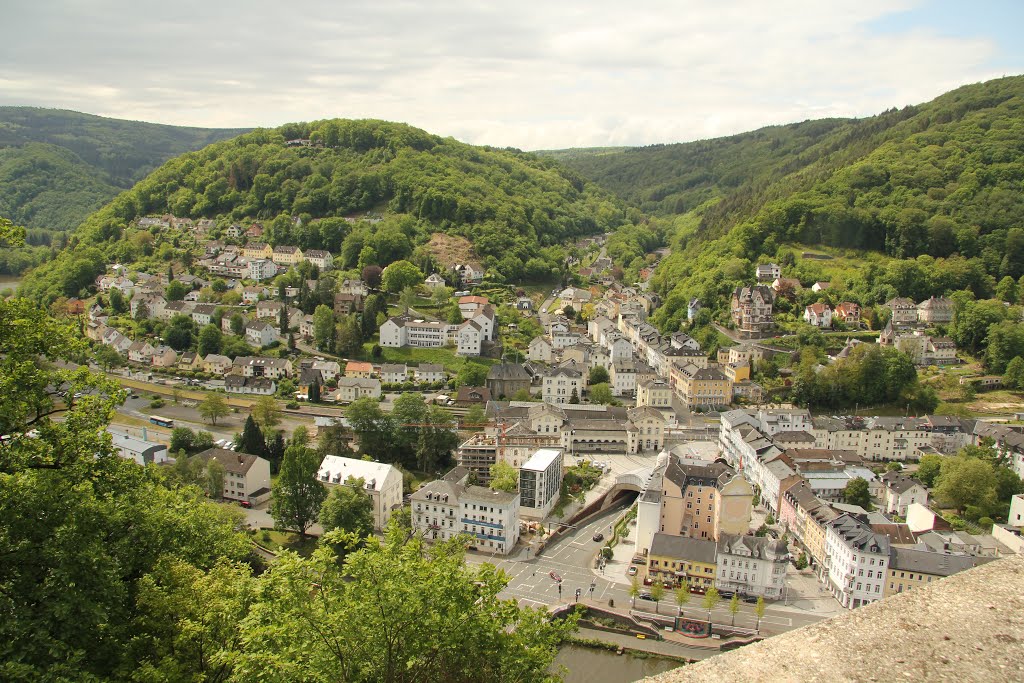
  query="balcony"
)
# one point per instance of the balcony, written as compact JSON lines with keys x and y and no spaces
{"x":479,"y":522}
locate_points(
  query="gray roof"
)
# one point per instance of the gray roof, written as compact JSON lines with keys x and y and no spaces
{"x":507,"y":371}
{"x":684,"y":548}
{"x":758,"y":548}
{"x":859,"y":535}
{"x":933,"y":563}
{"x":238,"y":463}
{"x":481,"y":493}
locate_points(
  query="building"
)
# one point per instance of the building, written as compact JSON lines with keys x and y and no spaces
{"x":655,"y":393}
{"x":507,"y":379}
{"x":262,"y":269}
{"x":164,"y":356}
{"x":848,"y":313}
{"x":704,"y":387}
{"x":258,"y":366}
{"x":246,"y":477}
{"x":540,"y":479}
{"x":358,"y":369}
{"x":904,"y":311}
{"x":353,"y":388}
{"x":394,"y":373}
{"x":433,"y":281}
{"x":139,"y":449}
{"x":675,"y":558}
{"x":469,"y":337}
{"x":818,"y":315}
{"x":490,"y":519}
{"x":429,"y":373}
{"x":540,"y":350}
{"x":402,"y":331}
{"x":645,"y":429}
{"x":319,"y":258}
{"x":691,"y":500}
{"x":287,"y":256}
{"x":259,"y":386}
{"x":381,"y":482}
{"x":857,"y":559}
{"x":900,"y":492}
{"x":768,"y":272}
{"x":911,"y":568}
{"x":936,"y":310}
{"x":559,"y":385}
{"x":752,"y":565}
{"x":436,"y":507}
{"x":468,"y":396}
{"x":260,"y":334}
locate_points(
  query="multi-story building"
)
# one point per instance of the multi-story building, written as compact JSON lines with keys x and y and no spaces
{"x":857,"y":561}
{"x":752,"y":565}
{"x":257,"y":366}
{"x":259,"y":333}
{"x":904,"y":311}
{"x":768,"y":272}
{"x":380,"y":481}
{"x":436,"y":508}
{"x":287,"y":256}
{"x":507,"y":379}
{"x":353,"y":388}
{"x":258,"y":250}
{"x":752,"y":308}
{"x":469,"y":337}
{"x":655,"y":393}
{"x":402,"y":331}
{"x":490,"y":518}
{"x":540,"y":479}
{"x":246,"y":477}
{"x":645,"y":430}
{"x":936,"y":310}
{"x":911,"y":568}
{"x":848,"y":313}
{"x":559,"y":384}
{"x":429,"y":372}
{"x":512,"y":445}
{"x":819,"y":315}
{"x":138,"y":449}
{"x":900,"y":491}
{"x":319,"y":258}
{"x":690,"y":498}
{"x":262,"y":269}
{"x":704,"y":387}
{"x":394,"y":373}
{"x":540,"y":350}
{"x":674,"y":558}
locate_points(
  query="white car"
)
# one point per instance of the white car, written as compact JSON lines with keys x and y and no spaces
{"x":631,"y":571}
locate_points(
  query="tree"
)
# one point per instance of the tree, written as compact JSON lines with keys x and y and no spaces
{"x":252,"y":440}
{"x":210,"y":339}
{"x":374,"y":429}
{"x":214,"y":407}
{"x":598,"y":375}
{"x":266,"y":413}
{"x":504,"y":477}
{"x":180,"y":332}
{"x":275,"y":451}
{"x":107,"y":357}
{"x":471,"y":375}
{"x":574,"y":397}
{"x":734,"y":607}
{"x":440,"y":296}
{"x":298,"y":494}
{"x":323,"y":327}
{"x":657,"y":593}
{"x":371,"y":276}
{"x":964,"y":481}
{"x":711,"y":600}
{"x":601,"y":393}
{"x":399,"y":275}
{"x":349,"y":508}
{"x":451,"y":623}
{"x":237,"y":324}
{"x":682,"y":595}
{"x":1013,"y":378}
{"x":182,"y":439}
{"x":118,"y":305}
{"x":313,"y":394}
{"x":856,"y":492}
{"x":282,"y":321}
{"x":1006,"y":290}
{"x":407,"y":299}
{"x":175,"y":291}
{"x":214,"y":479}
{"x":475,"y":416}
{"x":759,"y":609}
{"x":349,"y":337}
{"x":634,"y":590}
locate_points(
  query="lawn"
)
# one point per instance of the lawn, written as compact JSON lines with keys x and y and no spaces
{"x":286,"y":540}
{"x":415,"y":356}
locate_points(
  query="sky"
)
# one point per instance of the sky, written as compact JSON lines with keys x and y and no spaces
{"x":533,"y":75}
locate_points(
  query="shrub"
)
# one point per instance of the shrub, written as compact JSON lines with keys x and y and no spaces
{"x":292,"y":405}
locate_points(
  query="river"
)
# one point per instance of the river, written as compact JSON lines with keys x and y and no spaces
{"x":588,"y":665}
{"x":9,"y":282}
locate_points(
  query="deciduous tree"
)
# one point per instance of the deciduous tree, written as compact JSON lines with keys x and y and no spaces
{"x":298,"y":494}
{"x":214,"y":407}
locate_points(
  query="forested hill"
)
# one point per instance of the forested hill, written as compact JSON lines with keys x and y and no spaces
{"x":939,"y":181}
{"x":58,"y":166}
{"x":517,"y":209}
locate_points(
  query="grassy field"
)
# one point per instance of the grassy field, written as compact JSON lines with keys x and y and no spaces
{"x":413,"y":356}
{"x":277,"y":541}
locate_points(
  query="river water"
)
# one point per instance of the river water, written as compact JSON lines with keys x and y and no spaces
{"x":588,"y":665}
{"x":9,"y":281}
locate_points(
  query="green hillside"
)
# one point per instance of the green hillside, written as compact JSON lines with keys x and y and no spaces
{"x":518,"y":210}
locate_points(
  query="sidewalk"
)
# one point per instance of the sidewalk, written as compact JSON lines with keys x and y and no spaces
{"x":622,"y":556}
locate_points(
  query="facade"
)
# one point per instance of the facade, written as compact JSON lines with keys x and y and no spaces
{"x":353,"y":388}
{"x":262,"y":269}
{"x":507,"y":379}
{"x":752,"y":308}
{"x":559,"y":384}
{"x":645,"y":430}
{"x":469,"y":339}
{"x":818,"y":315}
{"x":540,"y":479}
{"x":429,"y":372}
{"x":674,"y":558}
{"x":904,"y":311}
{"x":436,"y":510}
{"x":260,"y":334}
{"x":258,"y":386}
{"x":381,"y":482}
{"x":705,"y":387}
{"x":655,"y":393}
{"x":140,"y":450}
{"x":857,"y":561}
{"x":287,"y":256}
{"x":690,"y":498}
{"x":319,"y":258}
{"x":936,"y":310}
{"x":358,"y":369}
{"x":490,"y":519}
{"x":246,"y":477}
{"x":751,"y":565}
{"x":911,"y":568}
{"x":394,"y":373}
{"x":257,"y":366}
{"x":540,"y":350}
{"x":402,"y":331}
{"x":900,"y":492}
{"x":848,"y":313}
{"x":768,"y":272}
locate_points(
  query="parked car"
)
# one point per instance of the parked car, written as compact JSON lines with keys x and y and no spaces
{"x":645,"y":595}
{"x":632,"y":571}
{"x":598,"y":537}
{"x":752,"y":599}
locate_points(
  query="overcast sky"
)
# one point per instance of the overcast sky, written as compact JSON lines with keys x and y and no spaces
{"x":549,"y":74}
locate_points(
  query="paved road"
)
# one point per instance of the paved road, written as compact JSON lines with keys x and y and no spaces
{"x":572,"y":558}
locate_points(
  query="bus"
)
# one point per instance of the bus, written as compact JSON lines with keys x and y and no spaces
{"x":161,"y":421}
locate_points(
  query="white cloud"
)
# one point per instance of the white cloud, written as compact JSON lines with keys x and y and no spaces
{"x":536,"y":75}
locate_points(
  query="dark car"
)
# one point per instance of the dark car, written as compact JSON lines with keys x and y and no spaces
{"x":752,"y":599}
{"x":725,"y":594}
{"x":646,"y":596}
{"x":599,"y":536}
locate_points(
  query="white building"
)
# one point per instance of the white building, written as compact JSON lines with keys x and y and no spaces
{"x":491,"y":519}
{"x":429,"y":372}
{"x":260,"y":334}
{"x":540,"y":350}
{"x":138,"y":449}
{"x":540,"y":479}
{"x":394,"y":373}
{"x":900,"y":492}
{"x":262,"y":269}
{"x":353,"y":388}
{"x":559,"y":384}
{"x":246,"y":477}
{"x":469,"y":339}
{"x":402,"y":331}
{"x":752,"y":565}
{"x":382,"y":482}
{"x":856,"y":560}
{"x":436,"y":507}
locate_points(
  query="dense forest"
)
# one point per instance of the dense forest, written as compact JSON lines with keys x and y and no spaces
{"x":57,"y":167}
{"x":517,"y":210}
